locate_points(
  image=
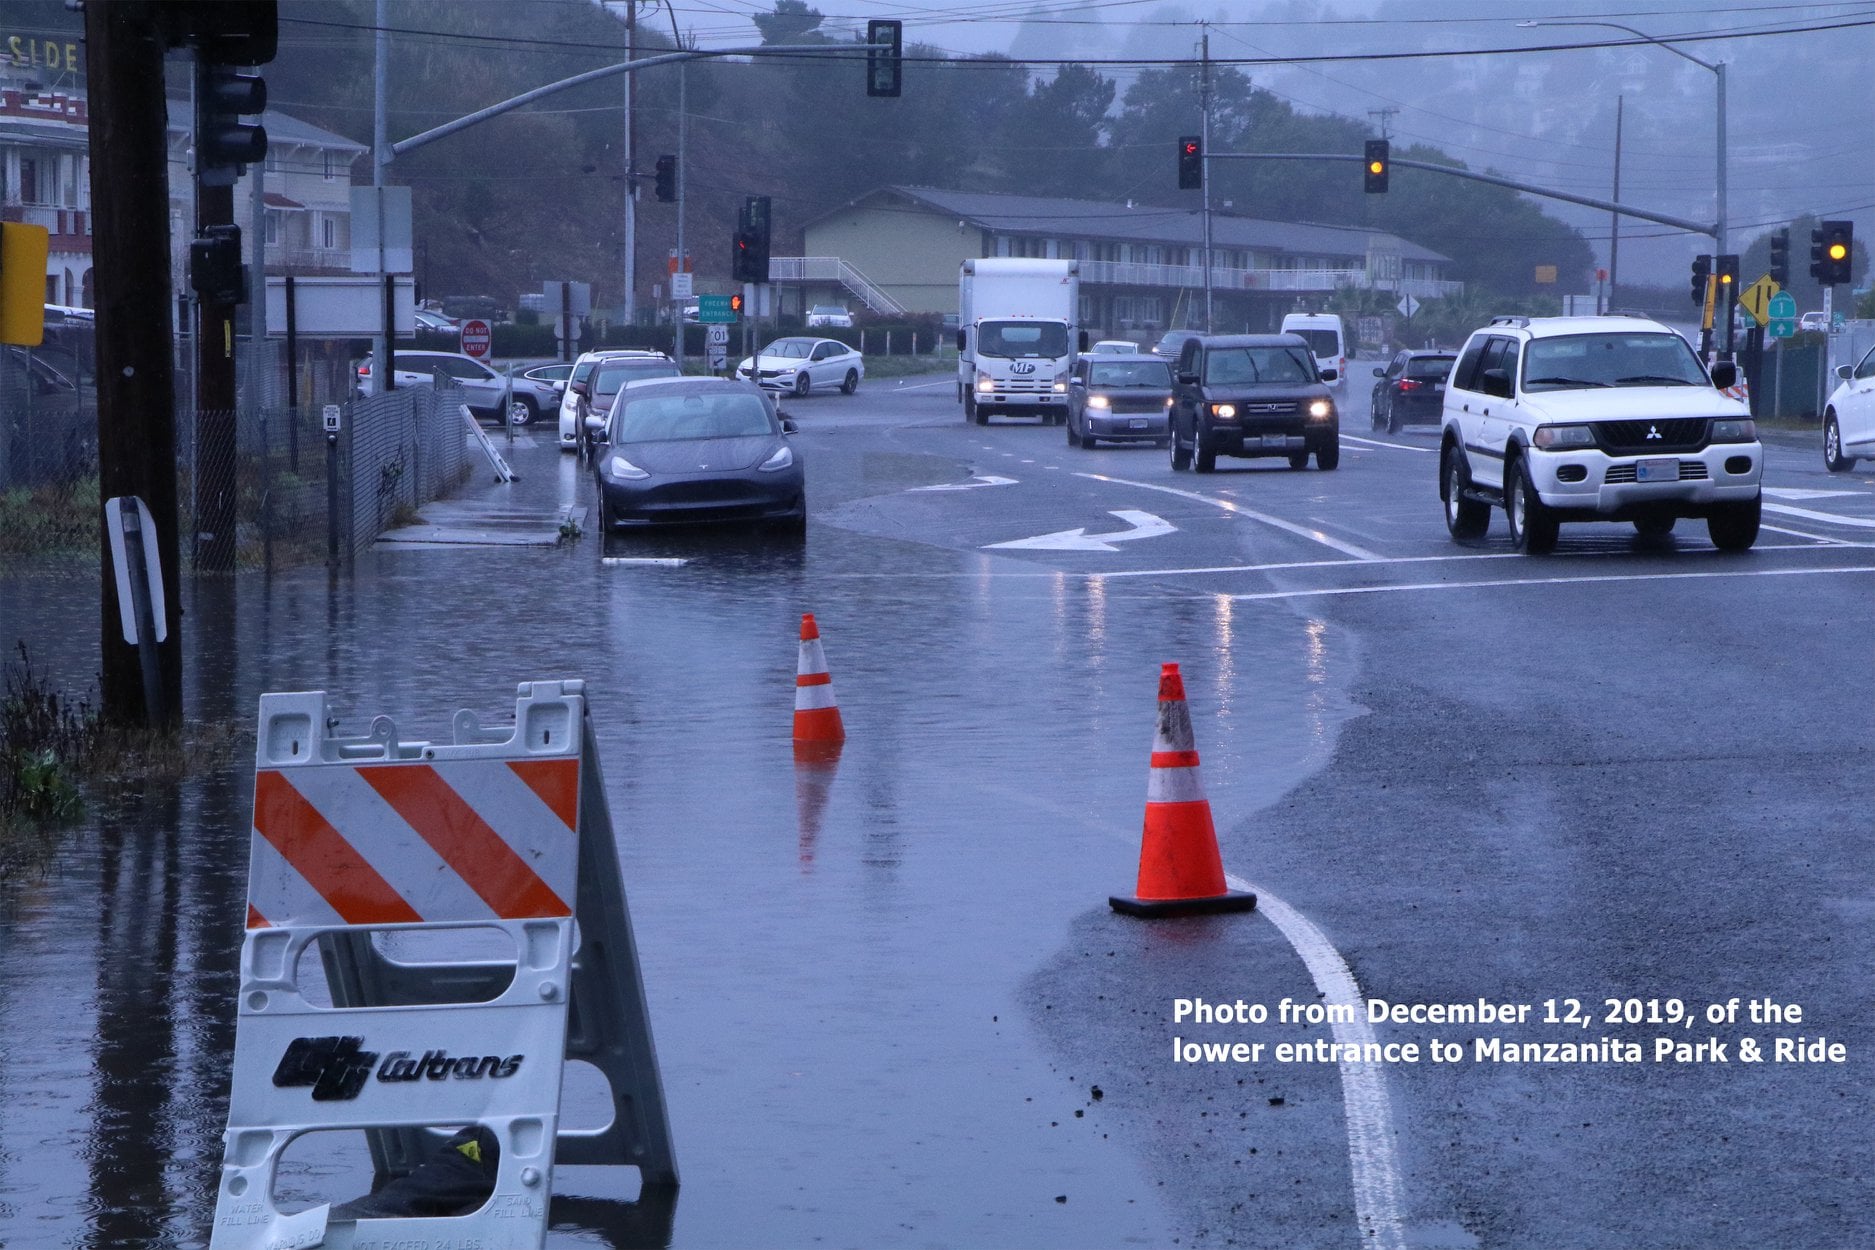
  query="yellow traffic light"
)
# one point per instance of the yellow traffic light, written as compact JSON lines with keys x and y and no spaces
{"x":1837,"y":251}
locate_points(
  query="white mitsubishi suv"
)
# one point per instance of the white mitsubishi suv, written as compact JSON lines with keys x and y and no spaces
{"x":1560,"y":419}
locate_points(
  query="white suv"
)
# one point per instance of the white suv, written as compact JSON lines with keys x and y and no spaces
{"x":1594,"y":419}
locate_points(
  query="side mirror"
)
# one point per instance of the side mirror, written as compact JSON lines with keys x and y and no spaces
{"x":1496,"y":382}
{"x":960,"y":340}
{"x":582,"y":390}
{"x":1845,"y":372}
{"x":1724,"y":374}
{"x":1380,"y":373}
{"x":595,"y":424}
{"x":1188,"y":379}
{"x":1084,"y":340}
{"x":788,"y":426}
{"x":1329,"y":375}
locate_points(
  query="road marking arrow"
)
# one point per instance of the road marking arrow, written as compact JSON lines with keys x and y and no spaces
{"x":981,"y":480}
{"x":1144,"y":525}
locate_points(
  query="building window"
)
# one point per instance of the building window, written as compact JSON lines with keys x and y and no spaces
{"x":273,"y":160}
{"x":29,"y":183}
{"x":329,"y":233}
{"x":328,"y":166}
{"x":273,"y":229}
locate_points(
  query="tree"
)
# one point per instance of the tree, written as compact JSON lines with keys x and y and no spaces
{"x":791,"y":22}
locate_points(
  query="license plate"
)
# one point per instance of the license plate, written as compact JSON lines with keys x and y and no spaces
{"x":1275,"y":440}
{"x":1137,"y":423}
{"x":1657,"y":471}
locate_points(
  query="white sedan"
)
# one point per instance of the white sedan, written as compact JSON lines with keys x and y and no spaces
{"x":1849,"y":417}
{"x":799,"y":365}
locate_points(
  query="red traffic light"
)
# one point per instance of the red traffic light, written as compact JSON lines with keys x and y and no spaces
{"x":735,"y":302}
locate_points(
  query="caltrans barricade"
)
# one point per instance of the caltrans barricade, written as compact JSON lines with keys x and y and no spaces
{"x":465,"y":905}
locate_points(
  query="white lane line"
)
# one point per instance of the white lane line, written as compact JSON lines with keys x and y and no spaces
{"x":1359,"y":553}
{"x":1828,"y":518}
{"x":1375,"y":442}
{"x":925,"y":386}
{"x":1541,"y":581}
{"x":1368,"y":1110}
{"x":656,"y":562}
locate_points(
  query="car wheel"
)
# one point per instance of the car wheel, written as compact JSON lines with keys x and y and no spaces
{"x":1393,"y":422}
{"x":970,"y":408}
{"x":1466,"y":519}
{"x":1654,"y":526}
{"x":1533,"y":527}
{"x":1074,"y":439}
{"x":1380,"y":413}
{"x":1735,"y":528}
{"x":802,"y":384}
{"x":851,"y":383}
{"x":1181,"y":455}
{"x":1204,"y":459}
{"x":521,"y":411}
{"x":1299,"y":459}
{"x":1833,"y":459}
{"x":1328,"y":455}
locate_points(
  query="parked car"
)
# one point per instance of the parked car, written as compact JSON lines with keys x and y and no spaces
{"x":435,"y":323}
{"x":829,"y":315}
{"x":582,"y":372}
{"x":1115,"y":347}
{"x":1560,"y":419}
{"x":801,"y":364}
{"x":1849,"y":416}
{"x":1120,"y":398}
{"x":1411,"y":389}
{"x":484,"y":387}
{"x":1252,"y":395}
{"x":544,"y":384}
{"x":1817,"y":321}
{"x":698,"y":450}
{"x":609,"y":376}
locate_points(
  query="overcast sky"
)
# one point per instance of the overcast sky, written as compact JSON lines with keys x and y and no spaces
{"x":1800,"y":107}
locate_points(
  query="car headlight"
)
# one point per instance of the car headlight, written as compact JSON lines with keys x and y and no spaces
{"x":1562,"y":437}
{"x":619,"y":469}
{"x":985,"y":382}
{"x":1739,"y":430}
{"x":1321,"y":410}
{"x":1226,"y":411}
{"x":1099,"y":401}
{"x":783,"y":457}
{"x":1061,"y":388}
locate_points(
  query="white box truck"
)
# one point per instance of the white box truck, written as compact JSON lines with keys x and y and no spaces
{"x":1018,"y":330}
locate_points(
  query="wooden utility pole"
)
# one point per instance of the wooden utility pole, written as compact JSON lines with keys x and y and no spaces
{"x":136,"y":392}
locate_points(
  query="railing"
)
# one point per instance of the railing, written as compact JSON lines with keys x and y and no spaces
{"x":300,"y":257}
{"x":1191,"y":277}
{"x":833,"y":269}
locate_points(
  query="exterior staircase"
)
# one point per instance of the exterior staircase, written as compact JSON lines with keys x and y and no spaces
{"x":833,"y":269}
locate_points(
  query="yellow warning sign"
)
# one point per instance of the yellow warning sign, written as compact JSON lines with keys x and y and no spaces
{"x":1756,"y":299}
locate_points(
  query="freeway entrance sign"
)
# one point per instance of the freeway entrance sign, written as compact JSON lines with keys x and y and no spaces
{"x":715,"y":310}
{"x":1782,"y":311}
{"x":1756,"y":298}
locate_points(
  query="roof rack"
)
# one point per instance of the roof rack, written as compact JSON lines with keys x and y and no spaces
{"x":1510,"y":321}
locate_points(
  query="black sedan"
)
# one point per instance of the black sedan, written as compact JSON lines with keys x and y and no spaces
{"x":698,"y":450}
{"x":1411,"y":389}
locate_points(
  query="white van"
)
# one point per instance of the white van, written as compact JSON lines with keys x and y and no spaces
{"x":1327,"y":340}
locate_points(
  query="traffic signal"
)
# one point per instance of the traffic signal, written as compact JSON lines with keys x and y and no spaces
{"x":1702,"y":269}
{"x":1727,"y":268}
{"x":885,"y":66}
{"x":1376,"y":166}
{"x":749,"y":263}
{"x":1780,"y":257}
{"x":1832,"y":248}
{"x":667,"y":179}
{"x":735,"y":303}
{"x":1190,"y":163}
{"x":216,"y":273}
{"x":224,"y":144}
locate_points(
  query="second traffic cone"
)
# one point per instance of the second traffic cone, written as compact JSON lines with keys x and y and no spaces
{"x":1180,"y":871}
{"x":816,"y":716}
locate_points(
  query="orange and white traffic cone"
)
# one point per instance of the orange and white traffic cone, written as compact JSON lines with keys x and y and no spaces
{"x":816,"y":716}
{"x":1180,"y":871}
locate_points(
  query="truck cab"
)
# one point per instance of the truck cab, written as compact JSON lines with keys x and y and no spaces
{"x":1017,"y":337}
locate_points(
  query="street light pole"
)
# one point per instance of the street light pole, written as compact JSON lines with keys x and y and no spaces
{"x":1718,"y":71}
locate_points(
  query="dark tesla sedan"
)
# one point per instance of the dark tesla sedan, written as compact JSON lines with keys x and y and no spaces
{"x":698,"y":450}
{"x":1411,"y":389}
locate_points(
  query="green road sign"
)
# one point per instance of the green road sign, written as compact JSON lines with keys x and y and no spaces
{"x":715,"y":310}
{"x":1782,"y":311}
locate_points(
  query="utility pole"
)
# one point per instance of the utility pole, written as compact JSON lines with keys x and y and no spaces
{"x":631,"y":159}
{"x":213,"y":540}
{"x":683,"y":79}
{"x":136,"y":404}
{"x":1204,"y":132}
{"x":384,"y":343}
{"x":1614,"y":218}
{"x":1384,"y":115}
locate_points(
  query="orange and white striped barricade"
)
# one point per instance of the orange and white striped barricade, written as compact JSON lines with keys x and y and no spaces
{"x":464,"y":900}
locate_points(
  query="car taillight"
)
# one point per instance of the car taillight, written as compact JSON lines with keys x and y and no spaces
{"x":1406,"y":385}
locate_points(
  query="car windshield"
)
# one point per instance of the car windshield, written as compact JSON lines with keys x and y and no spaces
{"x":789,"y":349}
{"x":1156,"y":374}
{"x":1019,"y":339}
{"x":829,"y":311}
{"x":1575,"y":361}
{"x":1322,"y":342}
{"x":614,"y":374}
{"x":1237,"y":366}
{"x":1429,"y":368}
{"x":692,"y":414}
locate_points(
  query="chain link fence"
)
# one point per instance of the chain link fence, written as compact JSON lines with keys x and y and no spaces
{"x":258,"y":488}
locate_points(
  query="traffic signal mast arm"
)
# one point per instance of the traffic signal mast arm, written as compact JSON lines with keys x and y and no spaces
{"x":1396,"y":162}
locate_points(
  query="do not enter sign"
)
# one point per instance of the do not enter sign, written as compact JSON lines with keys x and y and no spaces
{"x":475,"y":338}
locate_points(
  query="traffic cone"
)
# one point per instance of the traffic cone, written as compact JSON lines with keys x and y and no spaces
{"x":816,"y":717}
{"x":1180,"y":871}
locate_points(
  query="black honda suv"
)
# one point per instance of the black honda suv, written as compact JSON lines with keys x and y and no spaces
{"x":1252,"y":395}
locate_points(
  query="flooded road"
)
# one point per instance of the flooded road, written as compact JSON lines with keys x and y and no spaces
{"x":840,"y":961}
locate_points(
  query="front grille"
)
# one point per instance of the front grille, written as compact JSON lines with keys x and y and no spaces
{"x":1025,"y":386}
{"x":1270,"y":409}
{"x":1690,"y":471}
{"x":1634,"y":437}
{"x":1136,"y":406}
